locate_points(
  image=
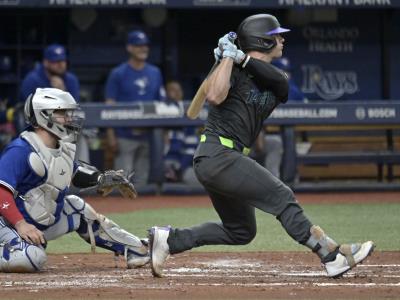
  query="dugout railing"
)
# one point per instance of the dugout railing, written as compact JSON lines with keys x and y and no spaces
{"x":374,"y":118}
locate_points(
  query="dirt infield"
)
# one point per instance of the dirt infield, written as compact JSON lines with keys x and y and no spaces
{"x":270,"y":275}
{"x":255,"y":275}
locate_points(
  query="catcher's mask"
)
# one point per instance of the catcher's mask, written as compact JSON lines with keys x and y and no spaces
{"x":55,"y":111}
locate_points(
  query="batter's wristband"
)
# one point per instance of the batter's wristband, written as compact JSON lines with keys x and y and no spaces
{"x":230,"y":54}
{"x":245,"y":61}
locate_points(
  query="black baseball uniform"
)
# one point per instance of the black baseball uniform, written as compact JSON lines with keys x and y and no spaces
{"x":236,"y":183}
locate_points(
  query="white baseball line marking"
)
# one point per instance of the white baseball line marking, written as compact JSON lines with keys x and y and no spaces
{"x":235,"y":269}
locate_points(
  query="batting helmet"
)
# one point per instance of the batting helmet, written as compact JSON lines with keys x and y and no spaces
{"x":256,"y":32}
{"x":39,"y":109}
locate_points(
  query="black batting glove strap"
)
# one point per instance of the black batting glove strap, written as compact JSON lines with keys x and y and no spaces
{"x":268,"y":77}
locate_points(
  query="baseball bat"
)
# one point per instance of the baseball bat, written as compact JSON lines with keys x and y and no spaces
{"x":200,"y":97}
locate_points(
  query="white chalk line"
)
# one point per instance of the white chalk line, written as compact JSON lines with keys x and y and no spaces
{"x":225,"y":268}
{"x":92,"y":284}
{"x":197,"y":272}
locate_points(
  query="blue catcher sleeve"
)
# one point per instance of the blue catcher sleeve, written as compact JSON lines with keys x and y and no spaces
{"x":14,"y":167}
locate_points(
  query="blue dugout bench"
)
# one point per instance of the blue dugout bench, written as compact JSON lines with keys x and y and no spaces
{"x":288,"y":117}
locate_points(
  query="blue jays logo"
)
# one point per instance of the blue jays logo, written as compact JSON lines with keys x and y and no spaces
{"x":141,"y":83}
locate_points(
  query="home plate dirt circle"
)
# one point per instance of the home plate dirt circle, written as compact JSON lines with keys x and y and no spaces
{"x":196,"y":275}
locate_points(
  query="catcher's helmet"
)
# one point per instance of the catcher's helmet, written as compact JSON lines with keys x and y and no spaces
{"x":40,"y":106}
{"x":256,"y":32}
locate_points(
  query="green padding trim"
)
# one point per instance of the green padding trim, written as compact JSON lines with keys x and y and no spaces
{"x":203,"y":138}
{"x":246,"y":151}
{"x":226,"y":142}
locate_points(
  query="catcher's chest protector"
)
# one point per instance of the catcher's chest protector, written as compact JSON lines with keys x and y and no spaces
{"x":57,"y":166}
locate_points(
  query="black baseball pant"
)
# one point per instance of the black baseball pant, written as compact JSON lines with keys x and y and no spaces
{"x":237,"y":185}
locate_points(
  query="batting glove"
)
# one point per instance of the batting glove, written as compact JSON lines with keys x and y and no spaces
{"x":228,"y":48}
{"x":239,"y":57}
{"x":217,"y":54}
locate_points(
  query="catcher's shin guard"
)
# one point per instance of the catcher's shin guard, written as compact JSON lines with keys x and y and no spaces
{"x":100,"y":231}
{"x":18,"y":256}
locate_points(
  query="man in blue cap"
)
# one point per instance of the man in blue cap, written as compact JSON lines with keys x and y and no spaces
{"x":53,"y":73}
{"x":132,"y":81}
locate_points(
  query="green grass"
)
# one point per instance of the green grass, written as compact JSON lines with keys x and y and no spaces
{"x":343,"y":222}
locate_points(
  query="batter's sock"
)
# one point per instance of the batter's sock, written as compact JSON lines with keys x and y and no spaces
{"x":330,"y":257}
{"x":322,"y":245}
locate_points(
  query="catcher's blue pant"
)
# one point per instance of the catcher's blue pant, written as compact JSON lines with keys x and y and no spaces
{"x":16,"y":255}
{"x":236,"y":185}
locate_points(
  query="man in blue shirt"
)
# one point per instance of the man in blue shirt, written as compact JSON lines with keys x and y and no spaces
{"x":132,"y":81}
{"x":52,"y":72}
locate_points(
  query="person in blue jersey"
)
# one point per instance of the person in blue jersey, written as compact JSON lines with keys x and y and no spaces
{"x":132,"y":81}
{"x":181,"y":143}
{"x":53,"y":73}
{"x":36,"y":170}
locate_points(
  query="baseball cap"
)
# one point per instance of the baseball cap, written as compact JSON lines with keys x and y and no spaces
{"x":55,"y":52}
{"x":138,"y":38}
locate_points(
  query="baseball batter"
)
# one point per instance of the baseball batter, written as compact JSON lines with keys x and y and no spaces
{"x":35,"y":173}
{"x":243,"y":91}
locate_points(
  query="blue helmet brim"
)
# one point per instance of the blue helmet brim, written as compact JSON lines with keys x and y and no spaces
{"x":277,"y":31}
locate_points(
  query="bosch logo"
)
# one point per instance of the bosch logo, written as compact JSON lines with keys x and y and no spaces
{"x":360,"y":113}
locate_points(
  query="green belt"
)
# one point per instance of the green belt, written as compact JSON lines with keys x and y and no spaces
{"x":227,"y":143}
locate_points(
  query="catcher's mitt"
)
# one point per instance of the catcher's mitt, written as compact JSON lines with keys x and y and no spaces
{"x":112,"y":179}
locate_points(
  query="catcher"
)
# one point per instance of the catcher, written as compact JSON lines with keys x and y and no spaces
{"x":36,"y":170}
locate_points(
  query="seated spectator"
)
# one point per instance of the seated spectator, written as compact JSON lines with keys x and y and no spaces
{"x":181,"y":144}
{"x":53,"y":72}
{"x":7,"y":128}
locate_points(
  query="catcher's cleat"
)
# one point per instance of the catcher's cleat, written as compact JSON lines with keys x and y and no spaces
{"x":159,"y":249}
{"x":348,"y":257}
{"x":136,"y":261}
